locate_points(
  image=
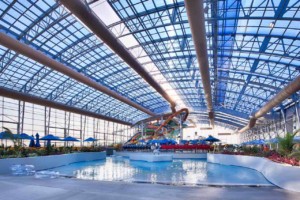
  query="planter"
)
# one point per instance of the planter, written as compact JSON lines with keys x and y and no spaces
{"x":47,"y":162}
{"x":284,"y":176}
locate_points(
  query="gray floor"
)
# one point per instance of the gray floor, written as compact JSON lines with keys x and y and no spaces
{"x":28,"y":188}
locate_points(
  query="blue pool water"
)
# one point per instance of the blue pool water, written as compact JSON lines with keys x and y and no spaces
{"x":185,"y":171}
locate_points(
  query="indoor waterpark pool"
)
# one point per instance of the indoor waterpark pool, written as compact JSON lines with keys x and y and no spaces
{"x":178,"y":172}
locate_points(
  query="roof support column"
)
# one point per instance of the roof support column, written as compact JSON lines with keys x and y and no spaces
{"x":195,"y":13}
{"x":91,"y":20}
{"x":38,"y":56}
{"x":286,"y":92}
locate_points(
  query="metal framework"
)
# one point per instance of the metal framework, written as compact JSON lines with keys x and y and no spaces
{"x":253,"y":50}
{"x":30,"y":118}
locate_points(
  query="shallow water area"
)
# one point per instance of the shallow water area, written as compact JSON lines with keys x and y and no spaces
{"x":177,"y":172}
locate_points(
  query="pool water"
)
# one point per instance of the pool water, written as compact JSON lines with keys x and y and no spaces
{"x":178,"y":172}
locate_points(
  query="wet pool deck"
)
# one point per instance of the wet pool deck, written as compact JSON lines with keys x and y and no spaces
{"x":20,"y":188}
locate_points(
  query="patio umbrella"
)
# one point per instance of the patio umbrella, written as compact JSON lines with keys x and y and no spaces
{"x":173,"y":142}
{"x":37,"y":140}
{"x":90,"y":139}
{"x":259,"y":142}
{"x":32,"y":144}
{"x":23,"y":136}
{"x":70,"y":139}
{"x":212,"y":139}
{"x":49,"y":138}
{"x":5,"y":136}
{"x":194,"y":141}
{"x":183,"y":142}
{"x":154,"y":141}
{"x":273,"y":140}
{"x":250,"y":142}
{"x":164,"y":141}
{"x":149,"y":142}
{"x":170,"y":141}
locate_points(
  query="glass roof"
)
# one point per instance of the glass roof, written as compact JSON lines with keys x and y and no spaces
{"x":253,"y":49}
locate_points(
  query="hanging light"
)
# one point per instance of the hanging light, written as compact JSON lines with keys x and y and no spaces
{"x":272,"y":24}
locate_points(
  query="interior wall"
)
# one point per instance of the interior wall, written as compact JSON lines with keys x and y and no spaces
{"x":189,"y":134}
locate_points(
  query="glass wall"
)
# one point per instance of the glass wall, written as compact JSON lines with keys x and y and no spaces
{"x":287,"y":121}
{"x":30,"y":118}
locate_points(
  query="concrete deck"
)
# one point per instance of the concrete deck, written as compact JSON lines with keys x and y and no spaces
{"x":20,"y":188}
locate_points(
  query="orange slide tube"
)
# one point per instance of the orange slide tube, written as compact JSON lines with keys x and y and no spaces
{"x":172,"y":116}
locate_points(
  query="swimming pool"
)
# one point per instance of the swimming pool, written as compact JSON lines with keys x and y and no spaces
{"x":177,"y":172}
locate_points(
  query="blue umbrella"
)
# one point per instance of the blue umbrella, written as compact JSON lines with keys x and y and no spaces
{"x":4,"y":135}
{"x":49,"y":138}
{"x":31,"y":144}
{"x":259,"y":142}
{"x":252,"y":142}
{"x":183,"y":142}
{"x":37,"y":140}
{"x":273,"y":140}
{"x":152,"y":141}
{"x":70,"y":139}
{"x":23,"y":136}
{"x":90,"y":139}
{"x":194,"y":141}
{"x":173,"y":142}
{"x":212,"y":139}
{"x":202,"y":142}
{"x":164,"y":141}
{"x":149,"y":142}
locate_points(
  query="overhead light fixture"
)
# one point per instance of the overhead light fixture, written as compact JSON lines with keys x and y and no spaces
{"x":272,"y":24}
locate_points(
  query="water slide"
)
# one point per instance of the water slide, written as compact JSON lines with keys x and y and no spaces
{"x":184,"y":110}
{"x":134,"y":137}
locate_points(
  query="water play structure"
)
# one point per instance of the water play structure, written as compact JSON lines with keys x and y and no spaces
{"x":160,"y":129}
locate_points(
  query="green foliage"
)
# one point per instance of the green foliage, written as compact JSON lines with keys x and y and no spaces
{"x":18,"y":152}
{"x":17,"y":144}
{"x":9,"y":135}
{"x":286,"y":143}
{"x":118,"y":147}
{"x":251,"y":150}
{"x":295,"y":154}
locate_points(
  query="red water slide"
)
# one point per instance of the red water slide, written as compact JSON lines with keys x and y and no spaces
{"x":172,"y":116}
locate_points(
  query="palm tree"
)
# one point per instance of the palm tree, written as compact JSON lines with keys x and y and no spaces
{"x":286,"y":143}
{"x":10,"y":135}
